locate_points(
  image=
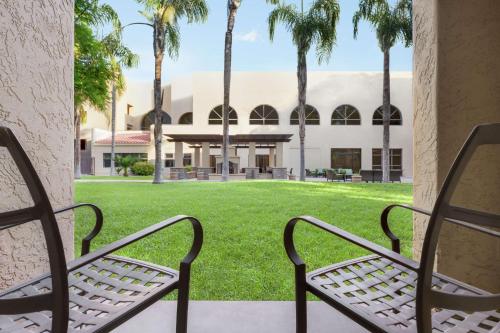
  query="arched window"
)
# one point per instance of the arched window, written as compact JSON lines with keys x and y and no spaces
{"x":215,"y":117}
{"x":396,"y":119}
{"x":186,"y":119}
{"x":312,"y":116}
{"x":264,"y":115}
{"x":346,"y":115}
{"x":149,"y":119}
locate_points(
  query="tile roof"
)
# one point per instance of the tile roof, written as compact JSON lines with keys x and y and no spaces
{"x":125,"y":138}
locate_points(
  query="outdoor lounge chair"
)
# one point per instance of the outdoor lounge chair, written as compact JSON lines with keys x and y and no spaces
{"x":96,"y":292}
{"x":387,"y":292}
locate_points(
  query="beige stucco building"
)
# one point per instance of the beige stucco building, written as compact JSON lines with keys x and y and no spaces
{"x":340,"y":133}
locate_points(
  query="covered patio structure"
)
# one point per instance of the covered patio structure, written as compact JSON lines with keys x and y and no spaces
{"x":209,"y":167}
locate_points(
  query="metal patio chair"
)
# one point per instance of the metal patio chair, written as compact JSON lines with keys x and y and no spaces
{"x":96,"y":292}
{"x":387,"y":292}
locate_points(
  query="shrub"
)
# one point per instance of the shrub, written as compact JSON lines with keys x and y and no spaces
{"x":143,"y":169}
{"x":125,"y":162}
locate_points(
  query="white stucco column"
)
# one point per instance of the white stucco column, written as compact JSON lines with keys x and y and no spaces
{"x":251,"y":155}
{"x":279,"y":154}
{"x":197,"y":159}
{"x":271,"y":157}
{"x":36,"y":103}
{"x":205,"y":155}
{"x":179,"y":155}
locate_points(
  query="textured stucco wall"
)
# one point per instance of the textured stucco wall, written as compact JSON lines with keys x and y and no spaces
{"x":36,"y":102}
{"x":456,"y":86}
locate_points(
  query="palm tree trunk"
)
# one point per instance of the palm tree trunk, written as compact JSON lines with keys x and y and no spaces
{"x":159,"y":47}
{"x":113,"y":129}
{"x":77,"y":152}
{"x":302,"y":85}
{"x":386,"y":119}
{"x":227,"y":90}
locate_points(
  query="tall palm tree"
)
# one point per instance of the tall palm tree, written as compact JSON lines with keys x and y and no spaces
{"x":163,"y":17}
{"x":232,"y":8}
{"x":315,"y":27}
{"x":120,"y":57}
{"x":392,"y":23}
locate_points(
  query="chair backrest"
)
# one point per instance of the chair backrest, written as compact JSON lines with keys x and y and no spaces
{"x":56,"y":300}
{"x":427,"y":297}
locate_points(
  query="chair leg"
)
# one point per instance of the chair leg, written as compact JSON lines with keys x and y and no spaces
{"x":183,"y":299}
{"x":300,"y":299}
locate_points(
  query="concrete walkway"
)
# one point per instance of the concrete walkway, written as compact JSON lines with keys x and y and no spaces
{"x":240,"y":317}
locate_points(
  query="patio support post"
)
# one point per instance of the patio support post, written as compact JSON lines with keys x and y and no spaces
{"x":197,"y":157}
{"x":271,"y":157}
{"x":37,"y":78}
{"x":205,"y":155}
{"x":251,"y":155}
{"x":179,"y":155}
{"x":279,"y":154}
{"x":454,"y":90}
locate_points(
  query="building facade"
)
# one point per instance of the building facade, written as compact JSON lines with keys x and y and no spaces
{"x":343,"y":117}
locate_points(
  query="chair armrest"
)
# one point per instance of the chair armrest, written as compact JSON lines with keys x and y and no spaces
{"x":384,"y":222}
{"x":188,"y":259}
{"x":97,"y":228}
{"x":377,"y":249}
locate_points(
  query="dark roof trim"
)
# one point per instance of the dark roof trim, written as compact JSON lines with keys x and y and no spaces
{"x":234,"y":139}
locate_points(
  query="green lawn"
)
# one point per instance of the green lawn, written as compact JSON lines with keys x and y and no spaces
{"x":243,"y":256}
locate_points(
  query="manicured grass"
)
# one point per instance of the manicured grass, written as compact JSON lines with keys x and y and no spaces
{"x":117,"y":178}
{"x":243,"y":256}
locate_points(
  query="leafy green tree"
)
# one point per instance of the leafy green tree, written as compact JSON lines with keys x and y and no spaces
{"x":232,"y":8}
{"x":91,"y":77}
{"x":92,"y":69}
{"x":315,"y":27}
{"x":392,"y":24}
{"x":163,"y":17}
{"x":120,"y":57}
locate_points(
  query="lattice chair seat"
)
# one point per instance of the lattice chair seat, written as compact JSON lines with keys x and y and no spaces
{"x":97,"y":291}
{"x":384,"y":292}
{"x":387,"y":292}
{"x":99,"y":294}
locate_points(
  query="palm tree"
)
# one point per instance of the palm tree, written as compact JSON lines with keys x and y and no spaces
{"x":317,"y":26}
{"x":163,"y":17}
{"x":391,"y":24}
{"x":120,"y":56}
{"x":232,"y":8}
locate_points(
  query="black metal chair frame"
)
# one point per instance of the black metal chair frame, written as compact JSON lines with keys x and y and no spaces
{"x":426,"y":297}
{"x":58,"y":299}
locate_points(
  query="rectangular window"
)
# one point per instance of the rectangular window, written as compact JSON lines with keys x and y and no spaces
{"x":130,"y":109}
{"x":213,"y":161}
{"x":396,"y":159}
{"x":187,"y":159}
{"x":169,"y":161}
{"x":106,"y":157}
{"x":346,"y":158}
{"x":130,"y":127}
{"x":83,"y":144}
{"x":262,"y":162}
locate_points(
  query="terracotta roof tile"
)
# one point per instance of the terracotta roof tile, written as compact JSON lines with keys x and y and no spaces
{"x":135,"y":138}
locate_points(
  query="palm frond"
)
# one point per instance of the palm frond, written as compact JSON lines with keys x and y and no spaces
{"x":173,"y":40}
{"x":286,"y":14}
{"x":391,"y":24}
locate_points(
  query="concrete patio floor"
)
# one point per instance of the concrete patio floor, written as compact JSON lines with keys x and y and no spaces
{"x":239,"y":317}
